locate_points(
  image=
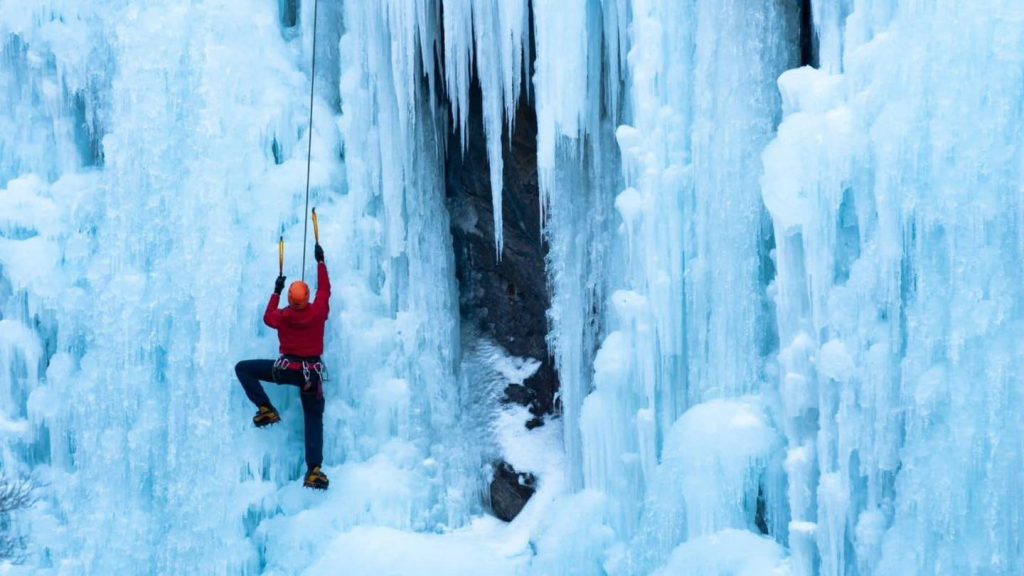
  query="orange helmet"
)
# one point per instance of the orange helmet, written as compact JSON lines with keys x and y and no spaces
{"x":298,"y":295}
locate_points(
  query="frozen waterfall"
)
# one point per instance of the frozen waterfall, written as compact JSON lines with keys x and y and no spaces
{"x":783,"y":244}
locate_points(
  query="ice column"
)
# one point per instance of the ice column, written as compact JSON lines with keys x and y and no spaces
{"x":394,"y":145}
{"x":687,"y":321}
{"x":578,"y":172}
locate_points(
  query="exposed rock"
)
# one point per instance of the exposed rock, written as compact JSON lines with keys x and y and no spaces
{"x":510,"y":490}
{"x":527,"y":396}
{"x":519,"y":394}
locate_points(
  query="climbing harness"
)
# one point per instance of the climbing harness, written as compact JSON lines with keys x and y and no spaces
{"x":309,"y":367}
{"x":309,"y":147}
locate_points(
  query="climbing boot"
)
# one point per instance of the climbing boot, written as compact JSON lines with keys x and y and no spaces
{"x":316,"y":479}
{"x":265,"y":417}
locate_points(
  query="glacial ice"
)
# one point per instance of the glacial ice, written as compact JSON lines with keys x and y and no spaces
{"x":785,"y":295}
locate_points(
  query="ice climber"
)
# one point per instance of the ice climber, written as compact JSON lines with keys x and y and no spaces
{"x":300,"y":329}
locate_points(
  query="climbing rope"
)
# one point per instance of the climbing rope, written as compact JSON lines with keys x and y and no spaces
{"x":309,"y":148}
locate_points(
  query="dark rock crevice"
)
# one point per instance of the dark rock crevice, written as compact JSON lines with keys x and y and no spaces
{"x":808,"y":37}
{"x":503,"y":300}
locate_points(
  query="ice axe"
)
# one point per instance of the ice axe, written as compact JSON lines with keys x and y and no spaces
{"x":280,"y":257}
{"x":316,"y":227}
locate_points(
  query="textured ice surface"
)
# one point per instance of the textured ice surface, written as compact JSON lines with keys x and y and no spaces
{"x":785,"y":300}
{"x":894,"y":188}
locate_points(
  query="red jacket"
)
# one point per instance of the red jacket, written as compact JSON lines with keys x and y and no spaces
{"x":301,"y":332}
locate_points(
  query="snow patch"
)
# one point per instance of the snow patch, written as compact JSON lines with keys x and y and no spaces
{"x":380,"y":551}
{"x":728,"y":553}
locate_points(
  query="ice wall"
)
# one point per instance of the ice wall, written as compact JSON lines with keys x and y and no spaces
{"x":899,"y":269}
{"x":132,"y":262}
{"x":881,"y":350}
{"x":155,"y":151}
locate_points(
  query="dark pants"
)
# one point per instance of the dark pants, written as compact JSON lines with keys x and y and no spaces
{"x":250,"y":372}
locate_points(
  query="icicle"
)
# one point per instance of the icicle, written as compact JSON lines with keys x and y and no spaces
{"x":489,"y":66}
{"x":514,"y":33}
{"x":458,"y":54}
{"x":490,"y":38}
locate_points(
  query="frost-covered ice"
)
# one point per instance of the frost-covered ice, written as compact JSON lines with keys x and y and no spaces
{"x":728,"y":553}
{"x":785,"y":299}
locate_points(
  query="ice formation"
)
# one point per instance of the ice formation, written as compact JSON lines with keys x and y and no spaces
{"x":785,"y":293}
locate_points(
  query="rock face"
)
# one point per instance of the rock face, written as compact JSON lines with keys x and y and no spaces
{"x":505,"y":300}
{"x":510,"y":490}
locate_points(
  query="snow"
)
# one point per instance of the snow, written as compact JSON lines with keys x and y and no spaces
{"x":728,"y":553}
{"x":377,"y":551}
{"x":785,"y":299}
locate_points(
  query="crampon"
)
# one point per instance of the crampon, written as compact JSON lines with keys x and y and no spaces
{"x":316,"y":479}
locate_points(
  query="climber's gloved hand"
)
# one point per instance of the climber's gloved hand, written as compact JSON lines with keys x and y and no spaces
{"x":279,"y":285}
{"x":318,"y":253}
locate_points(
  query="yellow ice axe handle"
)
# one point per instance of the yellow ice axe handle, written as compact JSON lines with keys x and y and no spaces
{"x":280,"y":257}
{"x":316,"y":228}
